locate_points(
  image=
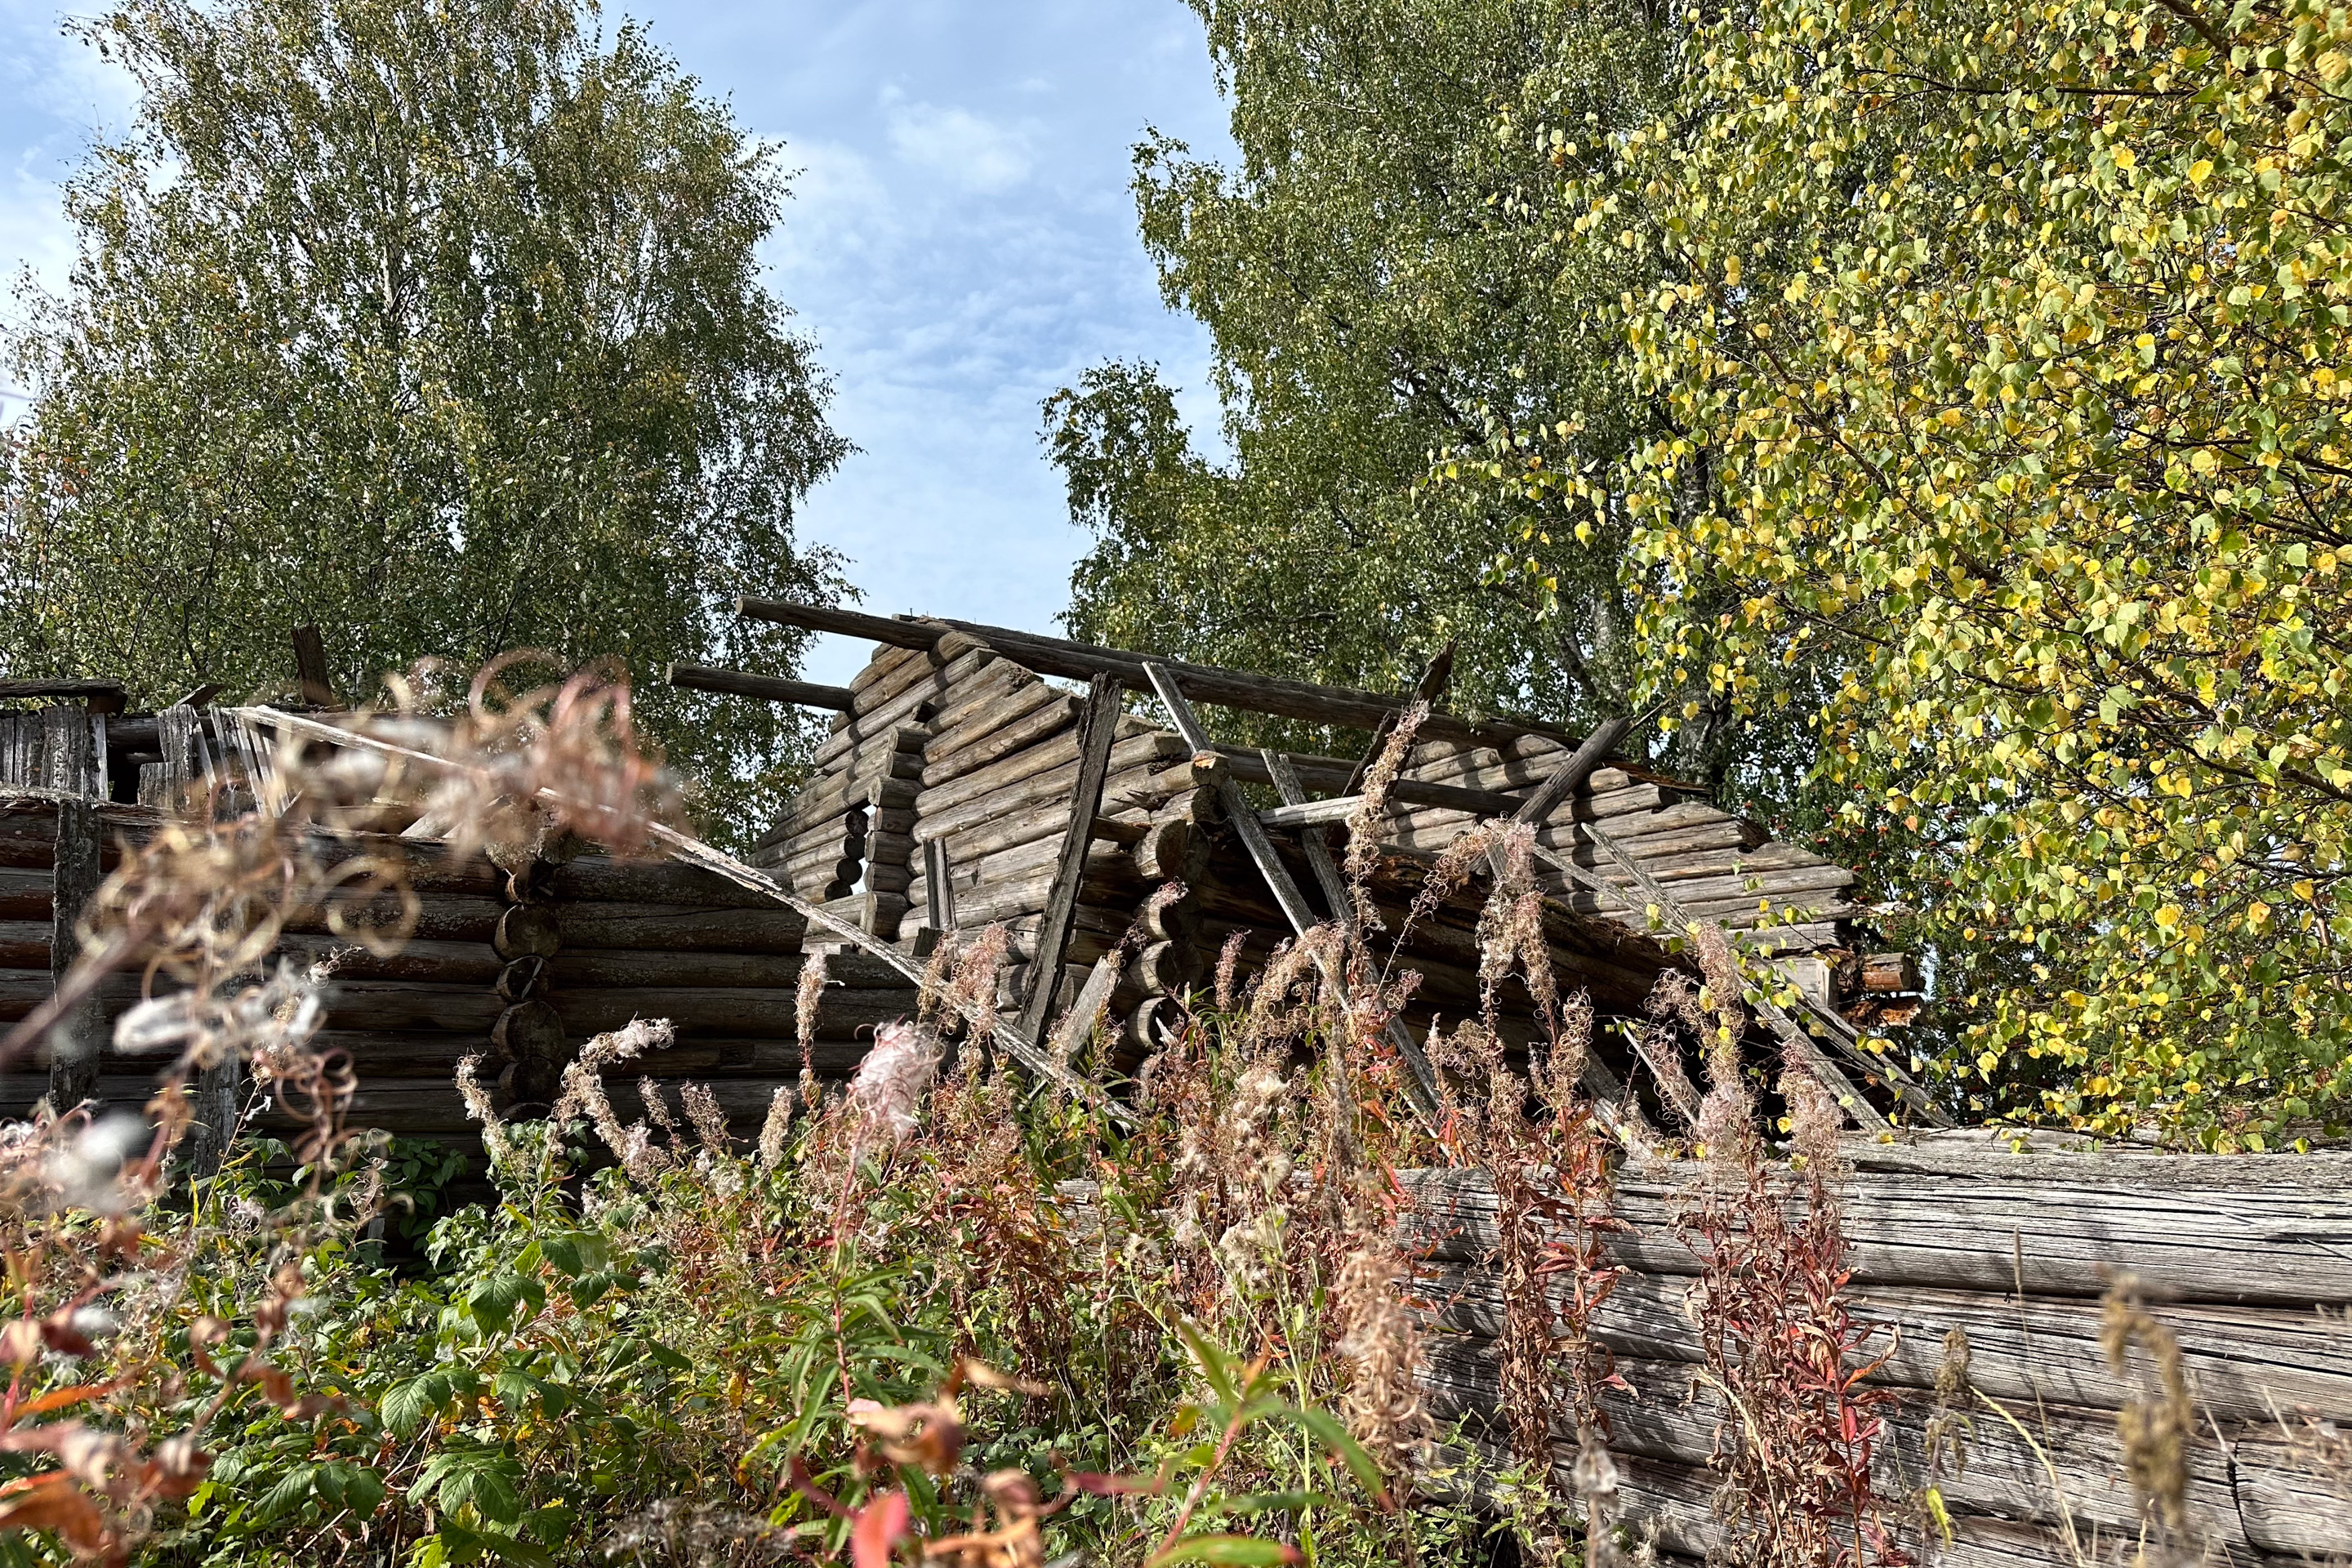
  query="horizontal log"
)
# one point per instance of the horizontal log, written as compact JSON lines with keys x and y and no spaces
{"x":1202,"y":683}
{"x":767,"y":688}
{"x":453,"y":963}
{"x":985,"y":748}
{"x":2245,"y":1363}
{"x":1046,"y":756}
{"x":828,"y":797}
{"x":1249,"y":767}
{"x":2068,"y":1464}
{"x":584,"y":969}
{"x":1883,"y":973}
{"x":600,"y":878}
{"x":24,"y":894}
{"x":82,"y":690}
{"x":744,"y":1012}
{"x":2186,"y":1238}
{"x":1127,"y":783}
{"x":679,"y":928}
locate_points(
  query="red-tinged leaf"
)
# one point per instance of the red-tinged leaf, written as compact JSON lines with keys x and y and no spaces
{"x":52,"y":1501}
{"x":881,"y":1525}
{"x":59,"y":1335}
{"x":805,"y":1483}
{"x":1098,"y":1485}
{"x":59,"y":1398}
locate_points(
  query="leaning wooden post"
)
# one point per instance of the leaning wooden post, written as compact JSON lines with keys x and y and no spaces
{"x":1097,"y":730}
{"x":77,"y":1039}
{"x":1421,"y":1079}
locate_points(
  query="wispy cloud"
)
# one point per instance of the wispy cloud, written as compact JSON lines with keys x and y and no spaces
{"x":972,"y":151}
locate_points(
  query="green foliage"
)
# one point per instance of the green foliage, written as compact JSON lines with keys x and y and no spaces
{"x":606,"y":1362}
{"x":1376,"y":289}
{"x":439,"y":326}
{"x":2002,"y":346}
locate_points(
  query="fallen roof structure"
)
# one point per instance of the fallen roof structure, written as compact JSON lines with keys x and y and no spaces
{"x":961,"y":788}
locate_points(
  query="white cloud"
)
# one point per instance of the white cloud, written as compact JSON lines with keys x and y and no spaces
{"x":973,"y":151}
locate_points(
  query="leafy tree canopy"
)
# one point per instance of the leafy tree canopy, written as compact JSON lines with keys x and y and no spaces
{"x":2008,"y":343}
{"x":1367,"y":276}
{"x":439,"y":325}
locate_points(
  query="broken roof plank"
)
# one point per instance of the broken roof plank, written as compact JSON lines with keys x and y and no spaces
{"x":1300,"y":700}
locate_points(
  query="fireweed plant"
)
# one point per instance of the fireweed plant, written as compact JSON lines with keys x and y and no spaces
{"x":937,"y":1315}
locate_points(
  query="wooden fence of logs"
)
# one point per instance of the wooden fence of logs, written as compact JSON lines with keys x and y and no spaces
{"x":2247,"y":1261}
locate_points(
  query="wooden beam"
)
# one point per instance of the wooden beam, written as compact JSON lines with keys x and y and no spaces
{"x":1851,"y":1099}
{"x":1420,"y":1080}
{"x":1097,"y":728}
{"x":310,"y":667}
{"x":1563,"y":780}
{"x":767,"y":688}
{"x":77,"y":1038}
{"x":1249,"y":768}
{"x":1306,"y":700}
{"x":1435,"y":677}
{"x":84,"y":690}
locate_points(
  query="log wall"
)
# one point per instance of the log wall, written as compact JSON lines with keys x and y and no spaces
{"x":520,"y":969}
{"x":2247,"y":1260}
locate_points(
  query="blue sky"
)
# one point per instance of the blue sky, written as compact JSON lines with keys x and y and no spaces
{"x":960,"y":243}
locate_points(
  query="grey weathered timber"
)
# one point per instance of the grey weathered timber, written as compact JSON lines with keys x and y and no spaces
{"x":2245,"y":1362}
{"x":2189,"y":1238}
{"x":1331,"y":771}
{"x":767,"y":688}
{"x":310,"y":667}
{"x":1023,"y":718}
{"x":1082,"y":661}
{"x":1850,"y":1099}
{"x":1086,"y":1011}
{"x":1420,"y":1078}
{"x":1335,"y":894}
{"x":77,"y":1039}
{"x":938,"y":889}
{"x":1563,"y":780}
{"x":1789,"y":1032}
{"x":85,"y":689}
{"x":1435,"y":677}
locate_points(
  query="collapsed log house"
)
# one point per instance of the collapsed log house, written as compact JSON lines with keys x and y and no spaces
{"x":961,"y":787}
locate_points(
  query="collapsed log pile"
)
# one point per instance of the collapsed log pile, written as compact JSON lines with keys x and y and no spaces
{"x":2248,"y":1262}
{"x":950,"y":792}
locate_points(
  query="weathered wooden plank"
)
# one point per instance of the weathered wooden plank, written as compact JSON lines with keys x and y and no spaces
{"x":2243,"y":1362}
{"x":1097,"y":731}
{"x":2186,"y":1239}
{"x":766,"y":688}
{"x":1083,"y":661}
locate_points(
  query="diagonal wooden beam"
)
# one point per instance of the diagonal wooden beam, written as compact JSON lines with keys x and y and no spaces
{"x":1421,"y":1079}
{"x":1564,"y":780}
{"x":1435,"y":677}
{"x":1097,"y":728}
